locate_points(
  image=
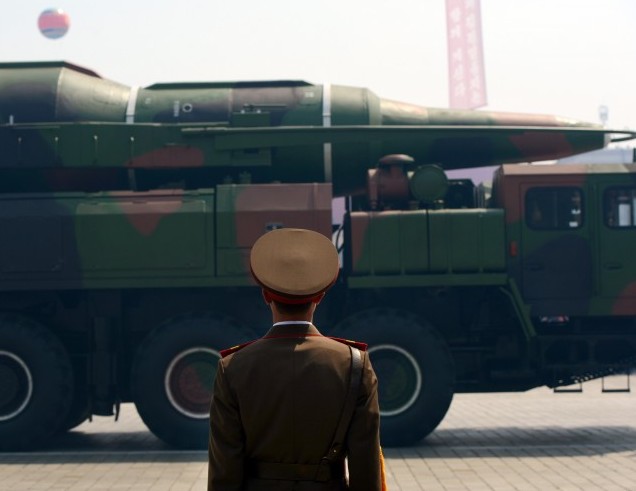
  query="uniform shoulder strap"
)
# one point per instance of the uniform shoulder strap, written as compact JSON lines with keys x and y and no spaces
{"x":349,"y":342}
{"x":234,"y":349}
{"x":337,"y":445}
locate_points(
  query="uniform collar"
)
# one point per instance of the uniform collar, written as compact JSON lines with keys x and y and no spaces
{"x":286,"y":323}
{"x":300,"y":328}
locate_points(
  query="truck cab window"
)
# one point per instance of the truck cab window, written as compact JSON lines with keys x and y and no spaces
{"x":620,"y":207}
{"x":549,"y":208}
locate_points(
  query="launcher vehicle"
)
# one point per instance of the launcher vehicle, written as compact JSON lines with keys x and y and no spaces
{"x":127,"y":216}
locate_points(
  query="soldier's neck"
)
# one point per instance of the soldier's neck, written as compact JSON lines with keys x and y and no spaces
{"x":278,"y":316}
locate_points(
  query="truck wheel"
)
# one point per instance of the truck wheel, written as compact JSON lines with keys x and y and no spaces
{"x":173,"y":375}
{"x":80,"y":409}
{"x":415,"y":372}
{"x":36,"y":383}
{"x":78,"y":412}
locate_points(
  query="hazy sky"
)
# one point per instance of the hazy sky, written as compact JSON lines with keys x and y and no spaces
{"x":563,"y":57}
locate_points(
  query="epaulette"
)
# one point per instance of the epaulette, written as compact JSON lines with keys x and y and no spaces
{"x":234,"y":349}
{"x":349,"y":342}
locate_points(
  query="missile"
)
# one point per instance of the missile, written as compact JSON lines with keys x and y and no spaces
{"x":298,"y":131}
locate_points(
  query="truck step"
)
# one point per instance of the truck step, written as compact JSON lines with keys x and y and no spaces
{"x":569,"y":389}
{"x":619,"y":383}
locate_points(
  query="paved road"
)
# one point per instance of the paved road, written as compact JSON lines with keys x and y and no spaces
{"x":531,"y":441}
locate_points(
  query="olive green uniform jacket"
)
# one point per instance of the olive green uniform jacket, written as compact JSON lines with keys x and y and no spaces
{"x":279,"y":399}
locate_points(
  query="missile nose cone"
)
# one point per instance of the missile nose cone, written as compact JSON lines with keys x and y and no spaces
{"x":401,"y":113}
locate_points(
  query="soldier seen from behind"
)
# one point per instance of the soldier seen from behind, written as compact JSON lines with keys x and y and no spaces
{"x":289,"y":407}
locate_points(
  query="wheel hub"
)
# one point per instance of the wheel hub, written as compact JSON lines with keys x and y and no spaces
{"x":400,"y":378}
{"x":16,"y":383}
{"x":189,"y":381}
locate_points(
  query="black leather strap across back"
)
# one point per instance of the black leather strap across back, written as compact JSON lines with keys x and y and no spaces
{"x":337,"y":446}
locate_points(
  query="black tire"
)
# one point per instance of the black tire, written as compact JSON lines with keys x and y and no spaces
{"x":80,"y":409}
{"x":173,"y":374}
{"x":36,"y":383}
{"x":415,"y":370}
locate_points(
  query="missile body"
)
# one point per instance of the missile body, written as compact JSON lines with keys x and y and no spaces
{"x":59,"y":92}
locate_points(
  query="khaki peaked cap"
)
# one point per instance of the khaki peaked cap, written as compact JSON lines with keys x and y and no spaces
{"x":294,"y":264}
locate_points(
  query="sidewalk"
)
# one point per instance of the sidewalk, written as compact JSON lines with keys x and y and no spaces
{"x":528,"y":441}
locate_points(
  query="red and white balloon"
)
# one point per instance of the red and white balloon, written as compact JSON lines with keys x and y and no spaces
{"x":54,"y":23}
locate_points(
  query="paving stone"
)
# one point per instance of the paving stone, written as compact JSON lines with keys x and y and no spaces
{"x":488,"y":442}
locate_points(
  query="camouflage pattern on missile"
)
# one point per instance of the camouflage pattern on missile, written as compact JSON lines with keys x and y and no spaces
{"x":265,"y":128}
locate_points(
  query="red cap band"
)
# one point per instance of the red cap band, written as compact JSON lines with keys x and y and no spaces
{"x":277,"y":297}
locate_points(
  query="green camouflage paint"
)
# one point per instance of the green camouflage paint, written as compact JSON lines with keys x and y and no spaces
{"x":128,"y":214}
{"x":427,"y":248}
{"x":300,"y":132}
{"x":579,"y":267}
{"x":246,"y":211}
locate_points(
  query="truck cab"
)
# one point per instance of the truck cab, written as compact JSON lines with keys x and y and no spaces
{"x":571,"y":233}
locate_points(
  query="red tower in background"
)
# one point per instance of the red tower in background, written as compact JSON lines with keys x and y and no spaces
{"x":466,"y":74}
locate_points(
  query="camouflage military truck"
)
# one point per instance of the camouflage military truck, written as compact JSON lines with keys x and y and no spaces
{"x":127,"y":216}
